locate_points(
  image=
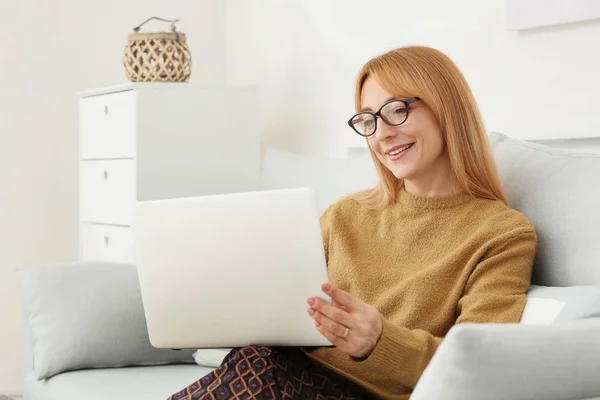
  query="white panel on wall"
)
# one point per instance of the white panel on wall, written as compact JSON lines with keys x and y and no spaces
{"x":591,"y":145}
{"x":524,"y":14}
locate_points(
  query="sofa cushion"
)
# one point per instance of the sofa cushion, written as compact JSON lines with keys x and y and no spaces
{"x":134,"y":383}
{"x":211,"y":357}
{"x":515,"y":361}
{"x":559,"y":193}
{"x":88,"y":315}
{"x":566,"y":303}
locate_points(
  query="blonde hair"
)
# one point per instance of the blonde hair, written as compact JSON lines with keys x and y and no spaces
{"x":417,"y":71}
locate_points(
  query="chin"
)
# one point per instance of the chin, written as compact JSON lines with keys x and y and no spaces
{"x":401,"y":173}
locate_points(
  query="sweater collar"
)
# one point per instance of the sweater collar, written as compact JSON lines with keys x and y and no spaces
{"x":419,"y":202}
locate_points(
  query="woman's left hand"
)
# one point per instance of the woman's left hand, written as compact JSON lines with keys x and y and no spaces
{"x":348,"y":323}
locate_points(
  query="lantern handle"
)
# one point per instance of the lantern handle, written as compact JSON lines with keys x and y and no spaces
{"x":172,"y":21}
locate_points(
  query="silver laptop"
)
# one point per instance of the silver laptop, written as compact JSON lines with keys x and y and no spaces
{"x":230,"y":270}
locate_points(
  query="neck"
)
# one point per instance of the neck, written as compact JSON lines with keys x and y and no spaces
{"x":436,"y":182}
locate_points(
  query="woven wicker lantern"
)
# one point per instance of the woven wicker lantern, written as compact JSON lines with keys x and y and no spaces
{"x":157,"y":56}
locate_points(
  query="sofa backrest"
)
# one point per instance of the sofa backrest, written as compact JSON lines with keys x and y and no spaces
{"x":331,"y":178}
{"x":559,"y":191}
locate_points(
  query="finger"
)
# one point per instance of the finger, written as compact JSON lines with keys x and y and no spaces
{"x":331,"y":326}
{"x":311,"y":302}
{"x":335,"y":340}
{"x":340,"y":296}
{"x":334,"y":312}
{"x":343,"y":307}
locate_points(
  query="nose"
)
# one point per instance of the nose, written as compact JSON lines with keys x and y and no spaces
{"x":384,"y":130}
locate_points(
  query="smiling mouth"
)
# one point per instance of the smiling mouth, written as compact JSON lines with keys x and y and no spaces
{"x":400,"y":150}
{"x":397,"y":153}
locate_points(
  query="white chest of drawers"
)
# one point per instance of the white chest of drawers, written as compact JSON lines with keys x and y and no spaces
{"x":146,"y":141}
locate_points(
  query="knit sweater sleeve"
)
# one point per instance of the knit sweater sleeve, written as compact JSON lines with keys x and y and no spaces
{"x":324,"y":221}
{"x":495,"y":293}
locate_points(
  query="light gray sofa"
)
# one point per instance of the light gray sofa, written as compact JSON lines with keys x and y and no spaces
{"x":560,"y":360}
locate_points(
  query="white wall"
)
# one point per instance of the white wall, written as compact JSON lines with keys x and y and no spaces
{"x":542,"y":83}
{"x":48,"y":51}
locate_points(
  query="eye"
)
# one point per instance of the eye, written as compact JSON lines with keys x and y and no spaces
{"x":365,"y":121}
{"x":368,"y":123}
{"x":399,"y":110}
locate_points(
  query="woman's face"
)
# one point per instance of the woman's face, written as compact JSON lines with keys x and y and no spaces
{"x":426,"y":156}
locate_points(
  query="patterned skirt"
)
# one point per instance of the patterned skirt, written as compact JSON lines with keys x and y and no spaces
{"x":268,"y":373}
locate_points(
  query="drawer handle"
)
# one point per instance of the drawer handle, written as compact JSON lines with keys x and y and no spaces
{"x":105,"y":175}
{"x":105,"y":110}
{"x":106,"y":240}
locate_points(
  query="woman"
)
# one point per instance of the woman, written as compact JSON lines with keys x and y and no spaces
{"x":432,"y":245}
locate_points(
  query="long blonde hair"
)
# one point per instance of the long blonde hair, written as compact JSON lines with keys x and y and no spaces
{"x":431,"y":75}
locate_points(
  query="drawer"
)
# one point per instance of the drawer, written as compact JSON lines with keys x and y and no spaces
{"x":107,"y":124}
{"x":106,"y":243}
{"x":107,"y":191}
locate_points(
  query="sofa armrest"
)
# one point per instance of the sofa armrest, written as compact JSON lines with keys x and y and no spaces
{"x":510,"y":361}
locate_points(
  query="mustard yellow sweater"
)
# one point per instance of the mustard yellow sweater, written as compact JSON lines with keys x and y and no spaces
{"x":426,"y":264}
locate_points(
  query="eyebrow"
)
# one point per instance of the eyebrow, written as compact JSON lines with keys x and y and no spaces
{"x":390,"y":99}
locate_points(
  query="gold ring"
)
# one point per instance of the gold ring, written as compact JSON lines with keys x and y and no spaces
{"x":346,"y":333}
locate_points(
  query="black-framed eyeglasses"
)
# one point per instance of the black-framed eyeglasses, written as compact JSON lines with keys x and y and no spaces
{"x":394,"y":113}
